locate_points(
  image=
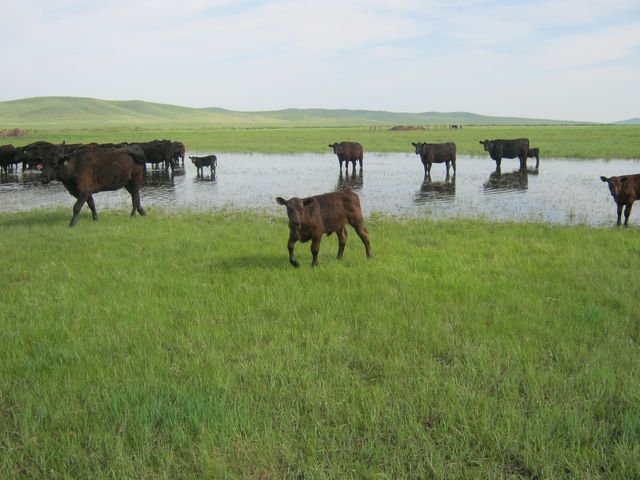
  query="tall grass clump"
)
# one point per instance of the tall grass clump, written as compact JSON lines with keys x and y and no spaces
{"x":185,"y":345}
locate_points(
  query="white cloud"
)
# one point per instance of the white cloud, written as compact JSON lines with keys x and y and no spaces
{"x":489,"y":57}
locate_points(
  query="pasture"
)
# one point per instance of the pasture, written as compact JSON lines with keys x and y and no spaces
{"x":184,"y":345}
{"x":586,"y":142}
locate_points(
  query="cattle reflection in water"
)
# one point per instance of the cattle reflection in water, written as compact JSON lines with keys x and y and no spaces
{"x":352,"y":180}
{"x":508,"y":182}
{"x":434,"y":191}
{"x":160,"y":178}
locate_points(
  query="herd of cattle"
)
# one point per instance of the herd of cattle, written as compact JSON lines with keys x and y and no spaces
{"x":85,"y":169}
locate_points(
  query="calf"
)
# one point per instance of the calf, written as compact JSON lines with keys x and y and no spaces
{"x":534,"y":153}
{"x":499,"y":149}
{"x":96,"y":170}
{"x":209,"y":161}
{"x":625,"y":190}
{"x":348,"y":152}
{"x":431,"y":153}
{"x":312,"y":217}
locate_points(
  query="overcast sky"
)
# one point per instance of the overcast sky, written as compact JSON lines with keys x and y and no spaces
{"x":555,"y":59}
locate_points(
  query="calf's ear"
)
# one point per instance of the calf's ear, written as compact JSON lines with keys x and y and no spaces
{"x":604,"y":179}
{"x":308,"y":201}
{"x":281,"y":201}
{"x":624,"y":179}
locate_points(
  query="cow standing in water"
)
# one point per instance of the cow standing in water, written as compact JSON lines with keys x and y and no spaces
{"x":431,"y":153}
{"x":312,"y":217}
{"x":625,"y":190}
{"x":348,"y":152}
{"x":499,"y":149}
{"x":534,"y":152}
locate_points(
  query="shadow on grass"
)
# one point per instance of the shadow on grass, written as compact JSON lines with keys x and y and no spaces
{"x":36,"y":219}
{"x":253,"y":261}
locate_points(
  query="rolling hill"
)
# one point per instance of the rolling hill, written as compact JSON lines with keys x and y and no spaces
{"x":79,"y":112}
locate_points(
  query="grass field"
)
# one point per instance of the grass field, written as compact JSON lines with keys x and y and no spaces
{"x":184,"y":345}
{"x":588,"y":142}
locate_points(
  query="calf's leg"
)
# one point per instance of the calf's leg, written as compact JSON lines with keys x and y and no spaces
{"x":363,"y":233}
{"x":291,"y":245}
{"x":619,"y":213}
{"x":315,"y":249}
{"x":627,"y":212}
{"x":342,"y":241}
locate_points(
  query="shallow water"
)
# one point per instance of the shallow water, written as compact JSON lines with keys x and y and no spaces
{"x":560,"y":192}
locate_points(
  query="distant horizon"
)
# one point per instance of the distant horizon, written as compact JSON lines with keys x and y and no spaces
{"x":518,"y":58}
{"x":350,"y":114}
{"x":452,"y":112}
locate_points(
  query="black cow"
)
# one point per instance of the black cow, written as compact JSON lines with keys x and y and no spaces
{"x":312,"y":217}
{"x":178,"y":152}
{"x":96,"y":170}
{"x":210,"y":161}
{"x":431,"y":153}
{"x":534,"y":153}
{"x":158,"y":151}
{"x":38,"y":153}
{"x":348,"y":152}
{"x":499,"y":149}
{"x":10,"y":156}
{"x":625,"y":190}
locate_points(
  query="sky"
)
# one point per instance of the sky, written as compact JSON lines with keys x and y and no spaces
{"x":553,"y":59}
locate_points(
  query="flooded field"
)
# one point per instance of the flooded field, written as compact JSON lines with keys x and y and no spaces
{"x":561,"y":192}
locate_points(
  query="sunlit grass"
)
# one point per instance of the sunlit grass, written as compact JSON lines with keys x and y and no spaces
{"x":589,"y":142}
{"x":185,"y":345}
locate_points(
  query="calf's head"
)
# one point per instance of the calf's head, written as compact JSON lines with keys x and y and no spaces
{"x":616,"y":184}
{"x":418,"y":146}
{"x":335,"y":147}
{"x":295,"y":207}
{"x":52,"y":167}
{"x":488,"y":144}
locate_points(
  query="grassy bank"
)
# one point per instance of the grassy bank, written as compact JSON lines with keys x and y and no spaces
{"x":554,"y":141}
{"x":186,"y":345}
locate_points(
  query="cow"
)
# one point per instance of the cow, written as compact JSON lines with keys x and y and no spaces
{"x":96,"y":170}
{"x":534,"y":153}
{"x":312,"y":217}
{"x":178,"y":152}
{"x":158,"y":151}
{"x":210,"y":161}
{"x":499,"y":149}
{"x":431,"y":153}
{"x":348,"y":152}
{"x":10,"y":156}
{"x":625,"y":190}
{"x":38,"y":153}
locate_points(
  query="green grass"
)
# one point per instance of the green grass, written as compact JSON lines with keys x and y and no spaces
{"x":185,"y":345}
{"x":588,"y":142}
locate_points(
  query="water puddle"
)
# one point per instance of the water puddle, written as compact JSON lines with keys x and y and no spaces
{"x":560,"y":192}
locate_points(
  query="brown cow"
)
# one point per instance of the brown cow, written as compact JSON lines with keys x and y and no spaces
{"x":312,"y":217}
{"x":534,"y":153}
{"x":96,"y":170}
{"x":625,"y":190}
{"x":431,"y":153}
{"x":348,"y":152}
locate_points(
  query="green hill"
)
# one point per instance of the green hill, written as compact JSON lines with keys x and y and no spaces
{"x":78,"y":112}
